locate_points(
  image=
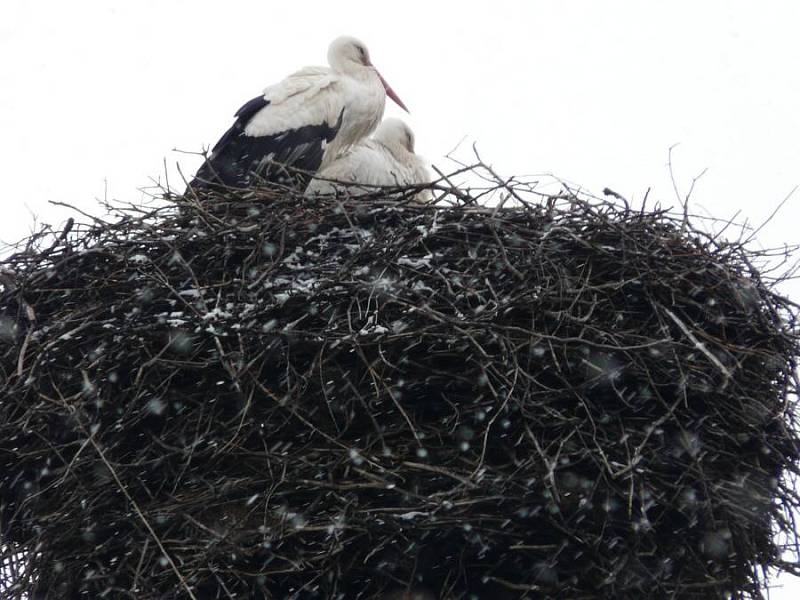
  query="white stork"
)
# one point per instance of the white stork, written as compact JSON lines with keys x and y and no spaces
{"x":301,"y":122}
{"x":385,"y":159}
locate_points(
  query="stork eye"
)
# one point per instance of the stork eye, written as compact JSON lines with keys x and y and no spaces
{"x":362,"y":52}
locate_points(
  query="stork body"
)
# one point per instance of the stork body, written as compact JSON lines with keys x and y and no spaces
{"x":385,"y":159}
{"x":301,"y":122}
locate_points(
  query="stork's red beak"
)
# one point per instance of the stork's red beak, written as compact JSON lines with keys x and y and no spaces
{"x":391,"y":93}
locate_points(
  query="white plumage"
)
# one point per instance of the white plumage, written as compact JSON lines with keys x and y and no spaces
{"x":385,"y":159}
{"x":303,"y":121}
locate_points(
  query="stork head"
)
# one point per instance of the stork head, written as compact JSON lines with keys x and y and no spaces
{"x":395,"y":132}
{"x":348,"y":55}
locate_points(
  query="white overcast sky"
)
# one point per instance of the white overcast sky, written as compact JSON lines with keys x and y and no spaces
{"x":96,"y":95}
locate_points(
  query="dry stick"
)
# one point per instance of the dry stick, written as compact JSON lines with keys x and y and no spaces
{"x":502,"y":182}
{"x":376,"y":379}
{"x":140,"y":564}
{"x":502,"y":249}
{"x":31,"y":319}
{"x":441,"y":471}
{"x":685,"y":204}
{"x":772,"y":214}
{"x":699,"y":345}
{"x":466,"y":198}
{"x":609,"y":192}
{"x":296,"y":414}
{"x":695,"y":179}
{"x":77,"y":210}
{"x":497,"y":414}
{"x":140,"y":514}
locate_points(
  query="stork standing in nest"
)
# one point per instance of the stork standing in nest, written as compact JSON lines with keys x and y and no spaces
{"x":301,"y":123}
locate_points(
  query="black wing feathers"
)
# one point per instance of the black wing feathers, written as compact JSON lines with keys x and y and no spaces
{"x":243,"y":116}
{"x":239,"y":160}
{"x":248,"y":110}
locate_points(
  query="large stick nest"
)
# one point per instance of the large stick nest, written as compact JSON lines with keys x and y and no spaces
{"x":266,"y":396}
